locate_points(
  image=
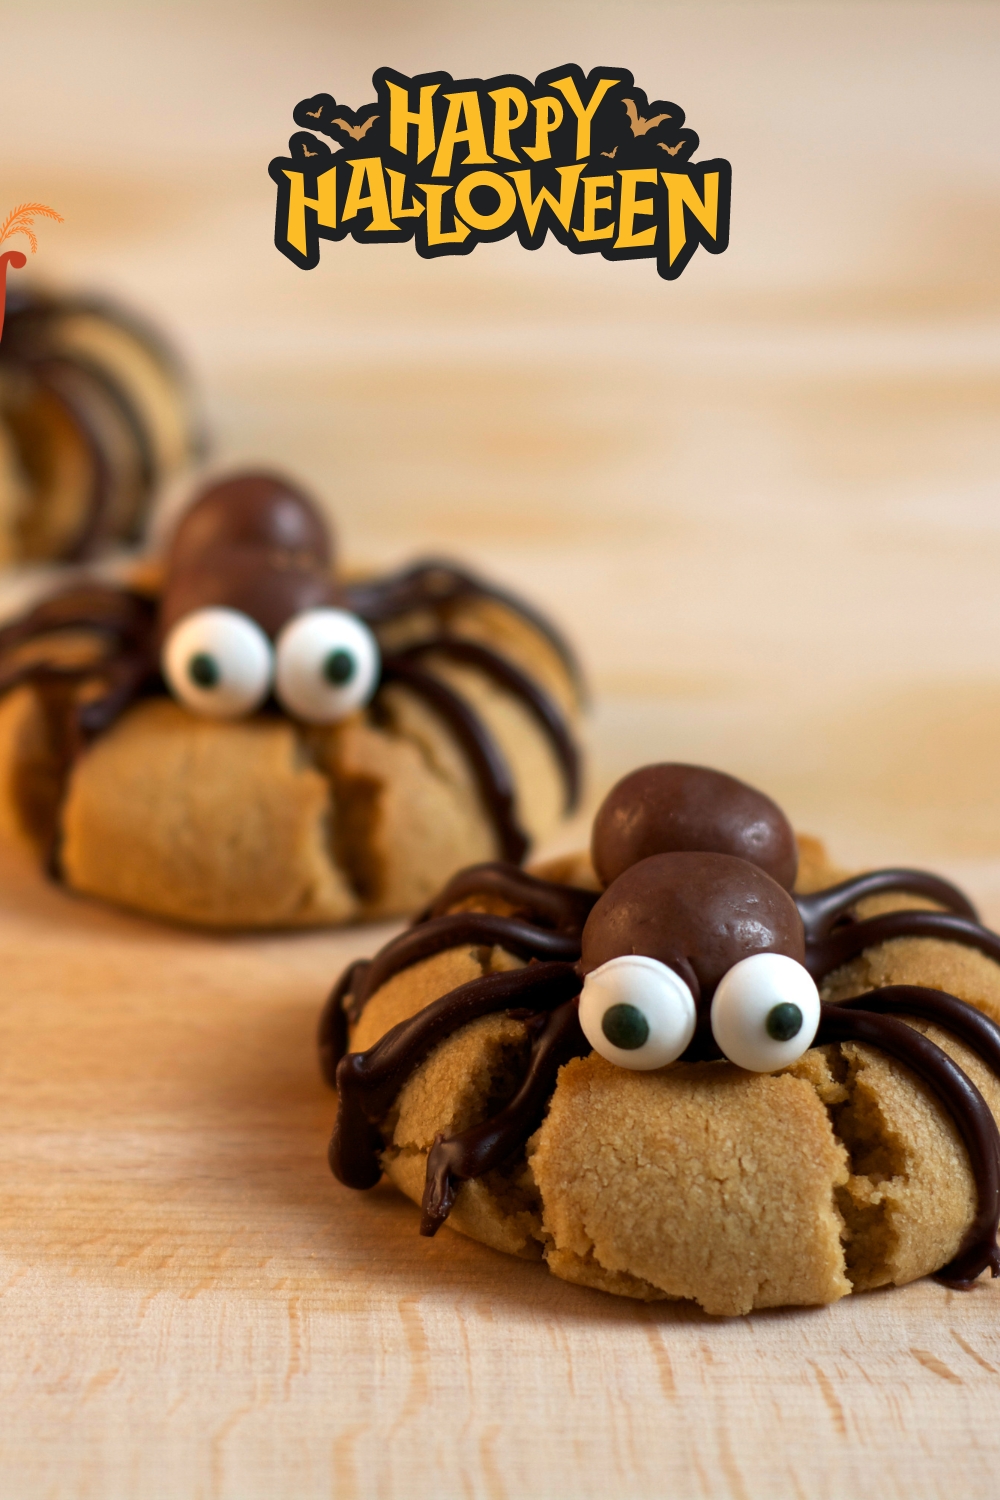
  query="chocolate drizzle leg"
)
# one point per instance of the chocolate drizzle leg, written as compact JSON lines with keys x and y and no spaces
{"x":119,"y":612}
{"x":969,"y":1025}
{"x":341,"y":1010}
{"x":82,"y":699}
{"x":556,"y":1038}
{"x":834,"y":936}
{"x":438,"y":585}
{"x":492,"y":773}
{"x":440,"y":933}
{"x":368,"y":1082}
{"x":845,"y":943}
{"x":544,"y":902}
{"x":967,"y":1107}
{"x":547,"y":923}
{"x":821,"y":910}
{"x":544,"y":709}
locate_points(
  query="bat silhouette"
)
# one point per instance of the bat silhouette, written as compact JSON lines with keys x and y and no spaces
{"x":610,"y":153}
{"x":671,"y":150}
{"x":307,"y":152}
{"x":314,"y":114}
{"x":639,"y":125}
{"x":357,"y":131}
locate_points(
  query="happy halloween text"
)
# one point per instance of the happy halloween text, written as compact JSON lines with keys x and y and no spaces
{"x":452,"y":164}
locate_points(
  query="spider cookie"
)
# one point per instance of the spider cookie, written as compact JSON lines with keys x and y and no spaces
{"x":96,"y":415}
{"x":262,"y":742}
{"x":678,"y":1077}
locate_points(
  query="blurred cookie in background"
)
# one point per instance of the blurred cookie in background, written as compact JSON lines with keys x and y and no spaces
{"x":96,"y":413}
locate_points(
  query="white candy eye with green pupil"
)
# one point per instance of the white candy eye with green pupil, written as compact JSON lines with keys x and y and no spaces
{"x":765,"y":1012}
{"x":637,"y":1013}
{"x":328,"y":665}
{"x":218,"y":662}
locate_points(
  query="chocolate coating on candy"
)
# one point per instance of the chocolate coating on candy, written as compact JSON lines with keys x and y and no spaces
{"x":263,"y":585}
{"x":251,"y":510}
{"x":697,"y":913}
{"x":669,"y":808}
{"x":253,"y":543}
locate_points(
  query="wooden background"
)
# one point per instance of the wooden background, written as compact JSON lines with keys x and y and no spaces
{"x":764,"y":501}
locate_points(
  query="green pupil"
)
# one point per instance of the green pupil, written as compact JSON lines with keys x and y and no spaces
{"x":204,"y":670}
{"x":783,"y":1022}
{"x":625,"y":1026}
{"x":338,"y":667}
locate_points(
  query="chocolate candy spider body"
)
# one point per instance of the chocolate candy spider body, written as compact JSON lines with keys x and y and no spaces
{"x":252,"y":616}
{"x":694,"y":951}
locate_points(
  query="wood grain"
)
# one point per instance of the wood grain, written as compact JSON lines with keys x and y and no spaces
{"x":191,"y":1305}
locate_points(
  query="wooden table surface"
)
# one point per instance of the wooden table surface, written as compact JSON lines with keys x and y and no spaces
{"x":764,"y":502}
{"x":191,"y":1306}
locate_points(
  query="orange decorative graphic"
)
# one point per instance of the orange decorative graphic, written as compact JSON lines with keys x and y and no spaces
{"x":20,"y":220}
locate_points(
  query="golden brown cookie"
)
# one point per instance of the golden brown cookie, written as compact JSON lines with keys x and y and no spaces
{"x":255,"y":742}
{"x":734,"y":1176}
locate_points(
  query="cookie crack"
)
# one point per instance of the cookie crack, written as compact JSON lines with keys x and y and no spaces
{"x":879,"y":1161}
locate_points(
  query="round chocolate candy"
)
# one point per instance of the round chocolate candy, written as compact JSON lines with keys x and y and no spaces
{"x":243,"y":578}
{"x":697,"y":913}
{"x":252,"y":510}
{"x":667,"y":809}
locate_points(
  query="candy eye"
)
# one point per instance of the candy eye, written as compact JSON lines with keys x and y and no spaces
{"x":218,"y":662}
{"x":636,"y":1012}
{"x":765,"y":1012}
{"x":328,"y":665}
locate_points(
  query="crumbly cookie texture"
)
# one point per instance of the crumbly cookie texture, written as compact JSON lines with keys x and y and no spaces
{"x":203,"y":822}
{"x":695,"y":1180}
{"x":700,"y":1181}
{"x":267,"y":822}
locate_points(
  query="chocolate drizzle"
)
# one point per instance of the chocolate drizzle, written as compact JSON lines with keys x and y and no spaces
{"x":546,"y":923}
{"x":438,"y":585}
{"x":556,"y":1038}
{"x":845,"y":943}
{"x":822,"y":909}
{"x":488,"y":762}
{"x":544,"y":902}
{"x":87,"y":606}
{"x":848,"y":1023}
{"x":341,"y":1010}
{"x":834,"y":937}
{"x":438,"y":934}
{"x":543,"y":708}
{"x":112,"y":680}
{"x":105,"y":383}
{"x":978,"y":1032}
{"x":368,"y":1082}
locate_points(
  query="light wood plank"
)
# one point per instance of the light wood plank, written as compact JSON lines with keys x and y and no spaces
{"x":192,"y":1306}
